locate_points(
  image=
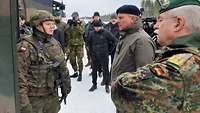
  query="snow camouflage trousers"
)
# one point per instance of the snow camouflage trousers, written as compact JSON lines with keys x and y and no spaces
{"x":170,"y":85}
{"x":75,"y":57}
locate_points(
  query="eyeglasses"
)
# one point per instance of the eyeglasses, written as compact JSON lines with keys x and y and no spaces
{"x":165,"y":18}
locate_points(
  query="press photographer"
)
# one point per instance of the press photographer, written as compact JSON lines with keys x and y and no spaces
{"x":75,"y":20}
{"x":148,"y":25}
{"x":75,"y":46}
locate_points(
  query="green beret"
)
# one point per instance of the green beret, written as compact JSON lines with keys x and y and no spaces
{"x":171,"y":4}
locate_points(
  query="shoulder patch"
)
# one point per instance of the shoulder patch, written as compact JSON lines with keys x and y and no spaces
{"x":22,"y":49}
{"x":160,"y":71}
{"x":179,"y":59}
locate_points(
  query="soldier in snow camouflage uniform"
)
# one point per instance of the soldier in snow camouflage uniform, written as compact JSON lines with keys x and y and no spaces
{"x":172,"y":83}
{"x":40,"y":61}
{"x":75,"y":35}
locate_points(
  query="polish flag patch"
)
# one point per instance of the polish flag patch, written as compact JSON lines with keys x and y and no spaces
{"x":22,"y":49}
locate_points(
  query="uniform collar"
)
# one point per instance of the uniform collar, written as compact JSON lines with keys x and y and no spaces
{"x":41,"y":36}
{"x":191,"y":40}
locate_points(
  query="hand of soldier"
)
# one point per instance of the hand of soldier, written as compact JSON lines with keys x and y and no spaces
{"x":68,"y":85}
{"x":79,"y":22}
{"x":67,"y":52}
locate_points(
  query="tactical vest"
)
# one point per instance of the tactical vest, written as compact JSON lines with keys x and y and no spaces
{"x":41,"y":75}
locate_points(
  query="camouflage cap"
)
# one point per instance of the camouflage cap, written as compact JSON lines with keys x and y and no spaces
{"x":171,"y":4}
{"x":40,"y":16}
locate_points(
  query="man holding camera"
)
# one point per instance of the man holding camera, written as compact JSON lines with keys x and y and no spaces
{"x":171,"y":83}
{"x":75,"y":45}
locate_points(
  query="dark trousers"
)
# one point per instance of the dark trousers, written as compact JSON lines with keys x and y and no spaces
{"x":100,"y":61}
{"x":112,"y":54}
{"x":88,"y":54}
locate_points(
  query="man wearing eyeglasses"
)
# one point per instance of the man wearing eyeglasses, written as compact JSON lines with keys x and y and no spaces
{"x":170,"y":84}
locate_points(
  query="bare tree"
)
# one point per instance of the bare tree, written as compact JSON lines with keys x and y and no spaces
{"x":151,"y":7}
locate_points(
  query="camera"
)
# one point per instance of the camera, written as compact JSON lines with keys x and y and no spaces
{"x":73,"y":22}
{"x":148,"y":25}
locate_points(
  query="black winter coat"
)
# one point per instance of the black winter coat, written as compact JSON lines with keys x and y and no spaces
{"x":59,"y":36}
{"x":99,"y":42}
{"x":114,"y":29}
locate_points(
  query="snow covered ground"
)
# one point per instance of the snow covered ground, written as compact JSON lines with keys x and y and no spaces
{"x":80,"y":100}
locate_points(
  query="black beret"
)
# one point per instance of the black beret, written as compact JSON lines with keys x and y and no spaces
{"x":96,"y":14}
{"x":129,"y":9}
{"x":97,"y":23}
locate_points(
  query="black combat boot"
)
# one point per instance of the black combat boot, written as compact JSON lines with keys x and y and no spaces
{"x":79,"y":77}
{"x":93,"y":88}
{"x":107,"y":89}
{"x":100,"y":74}
{"x":74,"y":75}
{"x":90,"y":74}
{"x":88,"y":64}
{"x":103,"y":83}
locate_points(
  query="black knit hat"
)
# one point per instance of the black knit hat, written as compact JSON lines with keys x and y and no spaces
{"x":75,"y":14}
{"x":129,"y":9}
{"x":96,"y":14}
{"x":113,"y":16}
{"x":97,"y":23}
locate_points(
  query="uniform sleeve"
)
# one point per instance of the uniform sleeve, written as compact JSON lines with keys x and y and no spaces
{"x":66,"y":36}
{"x":58,"y":54}
{"x":132,"y":89}
{"x":67,"y":77}
{"x":23,"y":53}
{"x":157,"y":87}
{"x":67,"y":41}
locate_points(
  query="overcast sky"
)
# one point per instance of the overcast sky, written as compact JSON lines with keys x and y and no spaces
{"x":88,"y":7}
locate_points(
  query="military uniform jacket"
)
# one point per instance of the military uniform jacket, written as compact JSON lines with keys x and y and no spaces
{"x":36,"y":56}
{"x":169,"y":85}
{"x":75,"y":35}
{"x":133,"y":50}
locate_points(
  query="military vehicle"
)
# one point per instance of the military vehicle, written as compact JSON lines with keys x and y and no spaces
{"x":9,"y":11}
{"x":26,"y":7}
